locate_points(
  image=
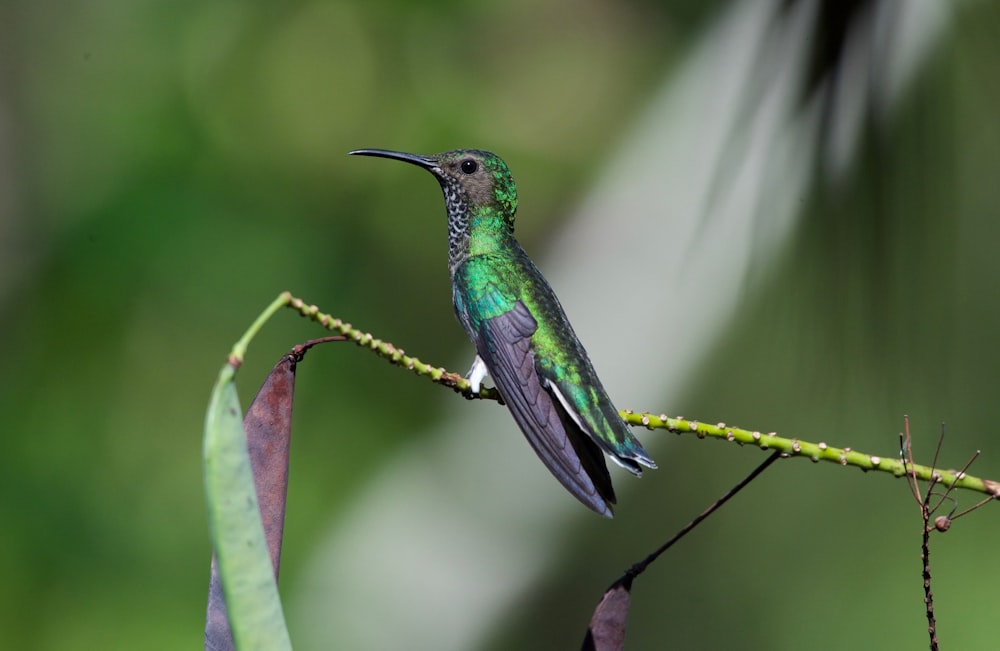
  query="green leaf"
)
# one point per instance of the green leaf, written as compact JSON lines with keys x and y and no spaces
{"x":248,"y":582}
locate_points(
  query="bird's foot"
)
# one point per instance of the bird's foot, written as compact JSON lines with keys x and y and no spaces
{"x":475,"y":376}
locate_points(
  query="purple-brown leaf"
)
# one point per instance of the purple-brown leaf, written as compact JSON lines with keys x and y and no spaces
{"x":607,"y":626}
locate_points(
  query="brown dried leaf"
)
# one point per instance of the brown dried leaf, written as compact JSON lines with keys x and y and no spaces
{"x":607,"y":627}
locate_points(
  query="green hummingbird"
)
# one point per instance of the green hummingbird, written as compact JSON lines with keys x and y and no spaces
{"x":521,"y":333}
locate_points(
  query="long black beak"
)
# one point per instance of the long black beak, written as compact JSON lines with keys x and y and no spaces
{"x":427,"y":162}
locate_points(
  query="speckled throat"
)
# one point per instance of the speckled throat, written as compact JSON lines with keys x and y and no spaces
{"x":457,"y":204}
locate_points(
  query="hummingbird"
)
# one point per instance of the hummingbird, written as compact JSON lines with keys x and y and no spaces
{"x":521,"y":334}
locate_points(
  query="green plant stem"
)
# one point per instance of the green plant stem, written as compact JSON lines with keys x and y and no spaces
{"x":391,"y":353}
{"x":240,"y":347}
{"x":813,"y":451}
{"x":789,"y":447}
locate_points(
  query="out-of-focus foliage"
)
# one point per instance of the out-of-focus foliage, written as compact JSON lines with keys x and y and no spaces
{"x":166,"y":168}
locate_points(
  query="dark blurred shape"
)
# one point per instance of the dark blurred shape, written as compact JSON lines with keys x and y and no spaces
{"x":830,"y":39}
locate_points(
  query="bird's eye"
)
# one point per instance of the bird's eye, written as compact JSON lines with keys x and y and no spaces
{"x":469,"y":166}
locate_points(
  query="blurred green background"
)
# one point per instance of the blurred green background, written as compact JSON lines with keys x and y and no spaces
{"x":166,"y":168}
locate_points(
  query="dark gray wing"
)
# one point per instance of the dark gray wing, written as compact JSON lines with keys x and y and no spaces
{"x":504,"y":344}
